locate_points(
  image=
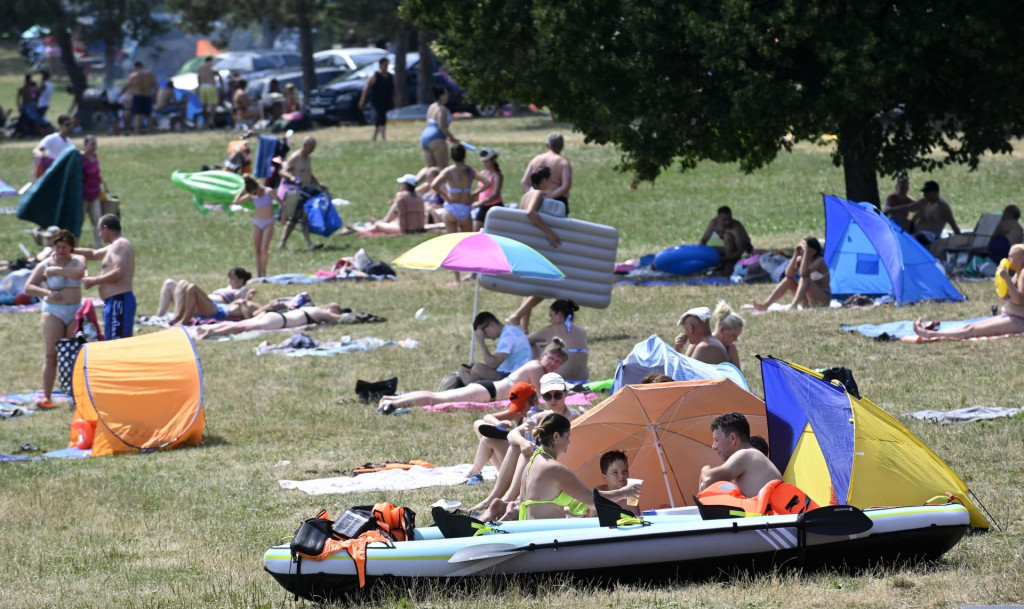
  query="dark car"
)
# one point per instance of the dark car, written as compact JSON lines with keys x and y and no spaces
{"x":338,"y":101}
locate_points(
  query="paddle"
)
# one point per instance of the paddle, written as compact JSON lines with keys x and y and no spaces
{"x":833,"y":520}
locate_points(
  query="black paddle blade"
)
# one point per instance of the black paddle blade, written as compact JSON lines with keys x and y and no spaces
{"x":835,"y":520}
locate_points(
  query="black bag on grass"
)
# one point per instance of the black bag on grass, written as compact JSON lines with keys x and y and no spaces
{"x":373,"y":392}
{"x":843,"y":375}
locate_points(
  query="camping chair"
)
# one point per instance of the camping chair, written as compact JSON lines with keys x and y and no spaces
{"x":962,"y":248}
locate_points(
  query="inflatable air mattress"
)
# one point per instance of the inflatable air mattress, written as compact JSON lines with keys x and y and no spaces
{"x":686,"y":259}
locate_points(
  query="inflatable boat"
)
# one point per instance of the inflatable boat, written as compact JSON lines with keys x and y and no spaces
{"x":664,"y":546}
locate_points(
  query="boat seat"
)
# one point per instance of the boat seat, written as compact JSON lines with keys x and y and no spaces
{"x":457,"y":525}
{"x":716,"y":512}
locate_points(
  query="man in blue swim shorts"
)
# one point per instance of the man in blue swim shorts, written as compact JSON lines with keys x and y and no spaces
{"x":115,"y":279}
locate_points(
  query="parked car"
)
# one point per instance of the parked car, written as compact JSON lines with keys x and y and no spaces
{"x":258,"y":87}
{"x":250,"y":64}
{"x":338,"y":101}
{"x":349,"y":59}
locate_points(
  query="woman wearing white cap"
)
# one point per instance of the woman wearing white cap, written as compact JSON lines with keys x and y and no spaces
{"x":406,"y":214}
{"x":491,"y":196}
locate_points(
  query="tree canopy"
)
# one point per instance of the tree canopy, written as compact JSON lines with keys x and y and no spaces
{"x":902,"y":86}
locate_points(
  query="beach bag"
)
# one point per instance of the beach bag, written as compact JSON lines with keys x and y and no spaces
{"x":321,"y":217}
{"x":109,"y":202}
{"x":67,"y":352}
{"x":373,"y":392}
{"x":844,"y":376}
{"x":312,"y":535}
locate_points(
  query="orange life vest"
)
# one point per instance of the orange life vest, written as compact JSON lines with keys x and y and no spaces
{"x":776,"y":497}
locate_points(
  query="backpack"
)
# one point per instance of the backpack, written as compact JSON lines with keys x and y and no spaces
{"x":844,"y":376}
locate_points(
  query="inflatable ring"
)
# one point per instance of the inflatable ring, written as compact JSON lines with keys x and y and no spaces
{"x":686,"y":259}
{"x":214,"y":186}
{"x":85,"y":430}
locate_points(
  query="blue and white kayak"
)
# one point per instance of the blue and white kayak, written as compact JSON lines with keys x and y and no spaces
{"x":662,"y":547}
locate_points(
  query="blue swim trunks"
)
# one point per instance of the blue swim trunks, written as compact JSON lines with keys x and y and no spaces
{"x":222,"y":312}
{"x":119,"y":316}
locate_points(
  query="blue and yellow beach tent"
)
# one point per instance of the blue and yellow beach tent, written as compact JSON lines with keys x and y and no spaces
{"x":868,"y":254}
{"x":839,"y":448}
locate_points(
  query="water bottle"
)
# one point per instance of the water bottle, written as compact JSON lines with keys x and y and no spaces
{"x":529,"y":416}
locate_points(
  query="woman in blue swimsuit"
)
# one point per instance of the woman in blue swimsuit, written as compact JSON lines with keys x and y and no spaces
{"x":58,"y":282}
{"x":435,"y":149}
{"x":262,"y":219}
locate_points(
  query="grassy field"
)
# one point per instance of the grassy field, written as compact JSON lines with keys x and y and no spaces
{"x":188,"y":528}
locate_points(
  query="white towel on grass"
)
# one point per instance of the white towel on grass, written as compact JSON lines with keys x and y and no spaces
{"x":390,"y":480}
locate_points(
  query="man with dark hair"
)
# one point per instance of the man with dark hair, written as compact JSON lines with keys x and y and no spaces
{"x":933,"y":214}
{"x":1008,"y":232}
{"x":742,"y":464}
{"x":511,"y":352}
{"x":560,"y":180}
{"x":143,"y":86}
{"x":735,"y":240}
{"x":115,"y":280}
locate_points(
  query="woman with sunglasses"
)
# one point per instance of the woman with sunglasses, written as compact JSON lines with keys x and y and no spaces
{"x":484,"y":391}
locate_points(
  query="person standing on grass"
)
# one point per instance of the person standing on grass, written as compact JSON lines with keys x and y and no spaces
{"x":142,"y":85}
{"x":92,"y":182}
{"x":115,"y":280}
{"x":262,"y":219}
{"x":381,"y":90}
{"x":490,"y":197}
{"x":45,"y":93}
{"x":209,"y":89}
{"x":298,"y":170}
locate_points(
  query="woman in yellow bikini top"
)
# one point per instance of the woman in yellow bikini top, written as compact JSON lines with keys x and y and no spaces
{"x":549,"y":486}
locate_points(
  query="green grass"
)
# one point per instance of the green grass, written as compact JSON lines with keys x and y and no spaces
{"x":187,"y":528}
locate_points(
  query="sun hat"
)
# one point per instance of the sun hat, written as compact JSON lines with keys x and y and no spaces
{"x":552,"y":381}
{"x":408,"y":178}
{"x":519,"y":395}
{"x":701,"y":313}
{"x":487,"y":154}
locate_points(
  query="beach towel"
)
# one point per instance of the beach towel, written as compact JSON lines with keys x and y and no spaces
{"x":573,"y":399}
{"x":904,"y":330}
{"x":389,"y":480}
{"x":319,"y":277}
{"x":6,"y":457}
{"x":56,"y":198}
{"x":327,"y":349}
{"x":266,"y":149}
{"x":963,"y":415}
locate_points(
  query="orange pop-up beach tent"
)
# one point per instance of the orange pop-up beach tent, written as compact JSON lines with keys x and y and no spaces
{"x":143,"y":393}
{"x":665,"y":431}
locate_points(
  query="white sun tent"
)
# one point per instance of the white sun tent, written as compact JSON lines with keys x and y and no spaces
{"x":868,"y":254}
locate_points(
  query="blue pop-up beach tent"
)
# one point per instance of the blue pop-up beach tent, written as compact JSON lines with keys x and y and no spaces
{"x":868,"y":254}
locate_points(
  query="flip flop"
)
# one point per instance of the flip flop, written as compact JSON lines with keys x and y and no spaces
{"x":44,"y":404}
{"x":493,"y":431}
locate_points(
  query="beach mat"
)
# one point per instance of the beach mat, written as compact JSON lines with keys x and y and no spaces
{"x":389,"y":480}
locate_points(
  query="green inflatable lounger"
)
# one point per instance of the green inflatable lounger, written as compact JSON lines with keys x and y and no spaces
{"x":215,"y":186}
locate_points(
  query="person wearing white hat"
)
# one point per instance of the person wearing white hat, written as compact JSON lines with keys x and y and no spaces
{"x":701,"y":344}
{"x":406,"y":214}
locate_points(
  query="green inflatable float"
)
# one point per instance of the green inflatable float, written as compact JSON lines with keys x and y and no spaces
{"x":213,"y":186}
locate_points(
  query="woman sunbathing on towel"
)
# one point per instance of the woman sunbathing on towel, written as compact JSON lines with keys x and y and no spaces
{"x":237,"y":289}
{"x":276,"y":320}
{"x":806,"y":276}
{"x":1010,"y":321}
{"x":485,"y":391}
{"x":191,"y":301}
{"x":406,"y":214}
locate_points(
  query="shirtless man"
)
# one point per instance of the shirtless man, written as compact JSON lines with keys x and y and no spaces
{"x":142,"y":85}
{"x":560,"y":180}
{"x":735,"y":240}
{"x":703,"y":346}
{"x":115,"y":281}
{"x":209,"y":89}
{"x":742,"y":464}
{"x":898,"y":204}
{"x":932,"y":216}
{"x":299,"y":168}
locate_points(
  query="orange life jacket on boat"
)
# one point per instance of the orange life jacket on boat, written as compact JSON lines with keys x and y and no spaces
{"x":776,"y":497}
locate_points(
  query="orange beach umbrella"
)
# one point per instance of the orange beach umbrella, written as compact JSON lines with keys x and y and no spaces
{"x":665,"y":431}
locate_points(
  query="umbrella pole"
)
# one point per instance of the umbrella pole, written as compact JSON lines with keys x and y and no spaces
{"x":472,"y":336}
{"x":664,"y":470}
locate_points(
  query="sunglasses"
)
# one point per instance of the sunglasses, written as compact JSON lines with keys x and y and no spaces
{"x":553,"y":395}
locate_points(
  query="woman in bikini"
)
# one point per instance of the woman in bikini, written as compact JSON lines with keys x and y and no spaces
{"x":191,"y":301}
{"x":433,"y":203}
{"x":728,"y":327}
{"x":262,"y":219}
{"x":434,"y":136}
{"x":549,"y":487}
{"x":1009,"y":321}
{"x":806,"y":276}
{"x":484,"y":391}
{"x":57,"y":280}
{"x":405,"y":216}
{"x":455,"y":185}
{"x":237,"y":289}
{"x":562,"y":318}
{"x":276,"y":320}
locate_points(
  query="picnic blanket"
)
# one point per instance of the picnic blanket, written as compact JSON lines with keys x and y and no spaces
{"x":963,"y":415}
{"x":904,"y":330}
{"x":300,"y":345}
{"x":320,"y":277}
{"x":389,"y":480}
{"x":23,"y":404}
{"x":573,"y":399}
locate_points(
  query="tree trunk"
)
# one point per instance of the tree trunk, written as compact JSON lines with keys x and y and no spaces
{"x":859,"y":154}
{"x":401,"y":49}
{"x":74,"y":72}
{"x":424,"y":89}
{"x":306,"y":48}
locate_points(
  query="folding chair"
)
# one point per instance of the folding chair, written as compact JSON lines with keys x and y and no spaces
{"x":962,"y":248}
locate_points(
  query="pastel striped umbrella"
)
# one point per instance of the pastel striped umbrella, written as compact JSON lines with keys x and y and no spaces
{"x":480,"y":253}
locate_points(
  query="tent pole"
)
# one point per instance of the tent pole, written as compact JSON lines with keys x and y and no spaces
{"x":661,"y":461}
{"x":472,"y":335}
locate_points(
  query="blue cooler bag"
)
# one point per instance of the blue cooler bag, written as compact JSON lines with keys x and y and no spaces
{"x":323,"y":219}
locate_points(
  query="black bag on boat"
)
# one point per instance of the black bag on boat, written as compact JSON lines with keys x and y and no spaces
{"x":312,"y":535}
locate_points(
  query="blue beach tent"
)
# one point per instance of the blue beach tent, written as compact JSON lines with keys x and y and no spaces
{"x":868,"y":254}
